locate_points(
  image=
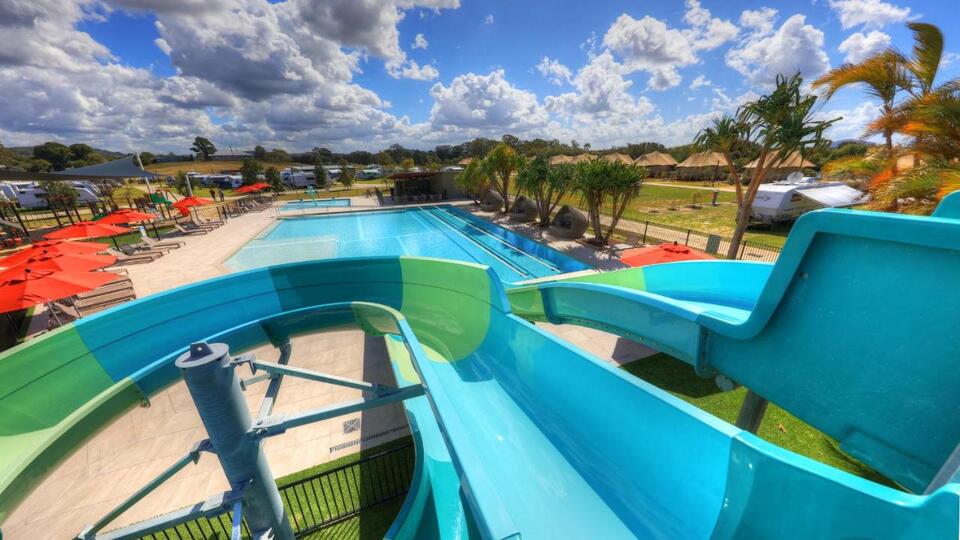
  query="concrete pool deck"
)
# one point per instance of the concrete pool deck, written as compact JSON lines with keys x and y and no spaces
{"x":121,"y":458}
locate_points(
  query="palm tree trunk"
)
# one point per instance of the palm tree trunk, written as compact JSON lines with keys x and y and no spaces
{"x":743,"y":210}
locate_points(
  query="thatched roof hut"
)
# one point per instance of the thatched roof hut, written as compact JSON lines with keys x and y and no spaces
{"x":465,"y":161}
{"x":557,"y":160}
{"x":778,"y":168}
{"x":584,"y":157}
{"x":656,"y":163}
{"x":701,"y":166}
{"x":617,"y":157}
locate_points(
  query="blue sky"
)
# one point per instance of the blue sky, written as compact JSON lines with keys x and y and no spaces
{"x":351,"y":74}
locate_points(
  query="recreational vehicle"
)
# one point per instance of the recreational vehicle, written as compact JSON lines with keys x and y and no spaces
{"x":298,"y":179}
{"x":786,"y":201}
{"x":30,"y":195}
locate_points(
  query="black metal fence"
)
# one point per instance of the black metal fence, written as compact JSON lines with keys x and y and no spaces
{"x":713,"y":244}
{"x":321,"y":500}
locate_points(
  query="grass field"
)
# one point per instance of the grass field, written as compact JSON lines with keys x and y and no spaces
{"x":673,"y":206}
{"x":211,"y":167}
{"x":779,"y":427}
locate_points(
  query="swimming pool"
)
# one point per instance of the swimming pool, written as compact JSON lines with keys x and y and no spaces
{"x":316,"y":203}
{"x":444,"y":232}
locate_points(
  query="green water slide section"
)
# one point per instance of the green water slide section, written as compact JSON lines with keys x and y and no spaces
{"x":520,"y":434}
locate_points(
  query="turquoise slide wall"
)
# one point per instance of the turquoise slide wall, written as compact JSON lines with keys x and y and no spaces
{"x":521,"y":434}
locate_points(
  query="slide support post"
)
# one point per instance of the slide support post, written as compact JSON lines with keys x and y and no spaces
{"x":751,"y":412}
{"x":215,"y":388}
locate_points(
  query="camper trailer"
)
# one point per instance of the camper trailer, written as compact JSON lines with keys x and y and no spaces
{"x":786,"y":201}
{"x":30,"y":195}
{"x":298,"y":179}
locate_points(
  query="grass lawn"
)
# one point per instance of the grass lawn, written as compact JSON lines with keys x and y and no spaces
{"x":211,"y":167}
{"x":668,"y":205}
{"x":778,"y":427}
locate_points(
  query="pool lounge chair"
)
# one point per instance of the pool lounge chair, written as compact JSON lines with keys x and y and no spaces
{"x":184,"y":230}
{"x":162,"y":244}
{"x":204,"y":224}
{"x":141,"y":257}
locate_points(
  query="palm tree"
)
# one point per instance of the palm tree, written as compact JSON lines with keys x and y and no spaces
{"x":884,"y":74}
{"x":723,"y":136}
{"x":502,"y":162}
{"x":781,"y":121}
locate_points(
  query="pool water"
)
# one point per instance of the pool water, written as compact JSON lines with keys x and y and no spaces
{"x":316,"y":203}
{"x":437,"y":231}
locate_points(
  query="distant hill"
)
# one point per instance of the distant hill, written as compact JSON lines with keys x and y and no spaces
{"x":838,"y":144}
{"x":27,"y":152}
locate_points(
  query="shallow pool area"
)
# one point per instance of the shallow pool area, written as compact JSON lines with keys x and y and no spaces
{"x":443,"y":232}
{"x":316,"y":203}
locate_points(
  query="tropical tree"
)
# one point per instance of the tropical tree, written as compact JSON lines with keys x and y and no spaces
{"x":723,"y":136}
{"x":501,"y":163}
{"x":250,"y":171}
{"x":59,"y":193}
{"x":473,"y":180}
{"x":346,"y":173}
{"x":203,"y":147}
{"x":319,"y":173}
{"x":783,"y":122}
{"x":180,"y":183}
{"x":599,"y":181}
{"x":406,"y":164}
{"x":56,"y":154}
{"x":272,"y":176}
{"x":547,"y":185}
{"x":883,"y":74}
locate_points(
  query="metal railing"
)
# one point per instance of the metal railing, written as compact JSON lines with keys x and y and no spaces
{"x":709,"y":243}
{"x":320,"y":500}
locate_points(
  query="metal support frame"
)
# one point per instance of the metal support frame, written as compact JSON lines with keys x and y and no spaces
{"x":949,"y":472}
{"x":751,"y":412}
{"x":207,"y":509}
{"x":211,"y":378}
{"x":281,"y":369}
{"x":191,"y":457}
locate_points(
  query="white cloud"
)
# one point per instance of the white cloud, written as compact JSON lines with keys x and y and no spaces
{"x":852,"y":122}
{"x":759,"y":21}
{"x":949,"y":58}
{"x":707,"y":32}
{"x":485,"y":104}
{"x":411,"y":70}
{"x":794,"y":47}
{"x":488,"y":19}
{"x":554,"y":71}
{"x":859,"y":45}
{"x":699,"y":82}
{"x":601,"y":95}
{"x":419,"y":42}
{"x":868,"y":13}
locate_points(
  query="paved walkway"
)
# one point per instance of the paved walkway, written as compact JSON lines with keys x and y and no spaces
{"x":135,"y":448}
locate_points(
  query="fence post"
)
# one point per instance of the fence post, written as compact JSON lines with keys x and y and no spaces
{"x":215,"y":389}
{"x":646,"y":225}
{"x":743,"y":247}
{"x":687,"y":241}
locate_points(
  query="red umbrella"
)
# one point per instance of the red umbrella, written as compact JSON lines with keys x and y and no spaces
{"x":261,"y":185}
{"x":126,"y":216}
{"x":88,"y":229}
{"x":62,"y":262}
{"x":26,"y":288}
{"x":663,"y":253}
{"x":52,"y":247}
{"x":247,"y":189}
{"x":187,"y":202}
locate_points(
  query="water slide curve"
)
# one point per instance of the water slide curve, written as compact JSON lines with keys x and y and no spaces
{"x":522,"y":435}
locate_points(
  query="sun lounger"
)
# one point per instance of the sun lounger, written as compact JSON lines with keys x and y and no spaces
{"x":85,"y":304}
{"x":123,"y":285}
{"x":141,"y":257}
{"x":184,"y":230}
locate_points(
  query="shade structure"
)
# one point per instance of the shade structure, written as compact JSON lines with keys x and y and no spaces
{"x":618,"y":158}
{"x":557,"y":160}
{"x":52,"y":247}
{"x":663,"y":253}
{"x":86,"y":229}
{"x":126,"y":216}
{"x":583,"y":158}
{"x":261,"y":185}
{"x":247,"y":189}
{"x":26,"y":288}
{"x":62,"y":262}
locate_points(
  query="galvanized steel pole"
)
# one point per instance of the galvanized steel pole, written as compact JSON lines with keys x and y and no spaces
{"x":215,"y":389}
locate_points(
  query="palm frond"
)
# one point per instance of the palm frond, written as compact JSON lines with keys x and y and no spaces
{"x":927,"y":52}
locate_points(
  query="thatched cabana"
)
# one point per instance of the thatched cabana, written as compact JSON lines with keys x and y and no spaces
{"x":491,"y":201}
{"x":702,"y":166}
{"x":584,"y":157}
{"x":656,"y":163}
{"x":778,"y":168}
{"x":557,"y":160}
{"x":465,"y":161}
{"x":524,"y":210}
{"x":569,"y":223}
{"x":616,"y":157}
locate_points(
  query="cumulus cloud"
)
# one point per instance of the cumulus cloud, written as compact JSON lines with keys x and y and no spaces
{"x":699,"y":82}
{"x":859,"y":45}
{"x":601,"y":95}
{"x":795,"y":47}
{"x":759,"y":21}
{"x":651,"y":45}
{"x":868,"y":13}
{"x":485,"y":104}
{"x":554,"y":71}
{"x":419,"y":42}
{"x":852,"y":121}
{"x":43,"y":34}
{"x":488,"y":19}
